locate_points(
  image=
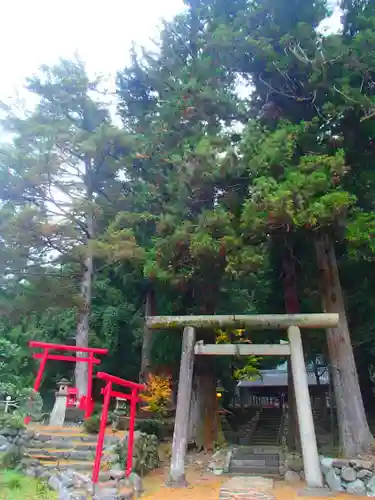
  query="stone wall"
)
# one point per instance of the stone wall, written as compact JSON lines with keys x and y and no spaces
{"x":11,"y":438}
{"x":356,"y":476}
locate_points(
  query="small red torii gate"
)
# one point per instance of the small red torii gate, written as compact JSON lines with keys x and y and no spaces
{"x":108,"y":393}
{"x":86,"y":402}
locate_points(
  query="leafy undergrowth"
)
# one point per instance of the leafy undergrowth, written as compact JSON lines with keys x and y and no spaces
{"x":15,"y":486}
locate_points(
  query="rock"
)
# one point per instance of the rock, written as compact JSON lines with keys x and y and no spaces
{"x":340,"y":463}
{"x":31,"y":472}
{"x":8,"y":431}
{"x":135,"y":482}
{"x":294,"y":463}
{"x":104,"y":476}
{"x":363,"y":474}
{"x":348,"y":474}
{"x":371,"y":487}
{"x":361,"y":464}
{"x":70,"y":495}
{"x":292,"y":477}
{"x":326,"y":464}
{"x":5,"y":447}
{"x":66,"y":480}
{"x":55,"y":483}
{"x":356,"y":487}
{"x":218,"y":471}
{"x":333,"y":481}
{"x":126,"y":494}
{"x":3,"y":441}
{"x":117,"y":466}
{"x":116,"y":474}
{"x":106,"y":494}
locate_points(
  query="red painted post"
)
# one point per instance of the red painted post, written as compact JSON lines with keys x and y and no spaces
{"x":133,"y":405}
{"x":89,"y":386}
{"x":42,"y":365}
{"x":103,"y":425}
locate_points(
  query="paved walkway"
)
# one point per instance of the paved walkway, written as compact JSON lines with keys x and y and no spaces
{"x":247,"y":488}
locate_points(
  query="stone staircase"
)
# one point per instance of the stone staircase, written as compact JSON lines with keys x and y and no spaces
{"x":266,"y":432}
{"x":255,"y":461}
{"x":63,"y":448}
{"x":261,"y":455}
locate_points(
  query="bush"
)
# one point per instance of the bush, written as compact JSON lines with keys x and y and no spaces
{"x":11,"y":458}
{"x":92,"y":424}
{"x":151,"y":427}
{"x":12,"y":421}
{"x":145,"y":453}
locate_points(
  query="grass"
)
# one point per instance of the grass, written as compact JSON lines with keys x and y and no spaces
{"x":15,"y":486}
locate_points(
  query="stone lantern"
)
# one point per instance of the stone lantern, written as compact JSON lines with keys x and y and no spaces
{"x":57,"y":417}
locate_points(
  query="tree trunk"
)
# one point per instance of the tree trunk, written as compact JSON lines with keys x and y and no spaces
{"x":83,"y":322}
{"x":354,"y":432}
{"x":291,"y":307}
{"x":147,"y":339}
{"x":203,"y":421}
{"x":82,"y":335}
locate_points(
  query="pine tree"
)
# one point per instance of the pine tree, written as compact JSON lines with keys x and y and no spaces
{"x":60,"y":166}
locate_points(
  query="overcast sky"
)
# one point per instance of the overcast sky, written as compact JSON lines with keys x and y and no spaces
{"x":35,"y":32}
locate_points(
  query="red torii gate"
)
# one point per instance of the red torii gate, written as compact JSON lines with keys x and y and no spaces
{"x":86,"y":402}
{"x":134,"y":398}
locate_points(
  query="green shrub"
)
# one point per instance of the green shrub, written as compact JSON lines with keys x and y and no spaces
{"x":12,"y":421}
{"x":145,"y":453}
{"x":92,"y":424}
{"x":152,"y":427}
{"x":11,"y":458}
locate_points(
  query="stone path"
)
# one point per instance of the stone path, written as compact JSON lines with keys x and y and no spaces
{"x":247,"y":488}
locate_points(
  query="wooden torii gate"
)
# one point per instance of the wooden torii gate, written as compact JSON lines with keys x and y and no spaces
{"x":290,"y":322}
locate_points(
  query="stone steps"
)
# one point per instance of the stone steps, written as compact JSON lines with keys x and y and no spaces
{"x":250,"y":461}
{"x":48,"y":455}
{"x":65,"y":457}
{"x":64,"y":448}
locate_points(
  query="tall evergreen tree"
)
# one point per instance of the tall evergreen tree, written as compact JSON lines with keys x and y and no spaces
{"x":60,"y":165}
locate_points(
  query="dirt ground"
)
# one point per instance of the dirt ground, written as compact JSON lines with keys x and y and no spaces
{"x":206,"y":486}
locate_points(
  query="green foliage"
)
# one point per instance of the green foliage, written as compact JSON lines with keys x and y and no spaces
{"x":152,"y":427}
{"x":12,"y":421}
{"x":14,"y":485}
{"x":92,"y":424}
{"x":12,"y":457}
{"x":145,"y":455}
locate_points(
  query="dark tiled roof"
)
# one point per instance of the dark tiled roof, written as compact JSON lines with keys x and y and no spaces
{"x":279,"y":378}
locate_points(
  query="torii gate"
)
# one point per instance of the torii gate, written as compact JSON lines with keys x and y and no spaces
{"x":290,"y":322}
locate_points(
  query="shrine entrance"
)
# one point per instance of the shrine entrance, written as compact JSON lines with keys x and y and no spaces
{"x":190,"y":348}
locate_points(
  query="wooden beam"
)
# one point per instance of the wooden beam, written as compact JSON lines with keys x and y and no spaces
{"x":261,"y":321}
{"x":242,"y":349}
